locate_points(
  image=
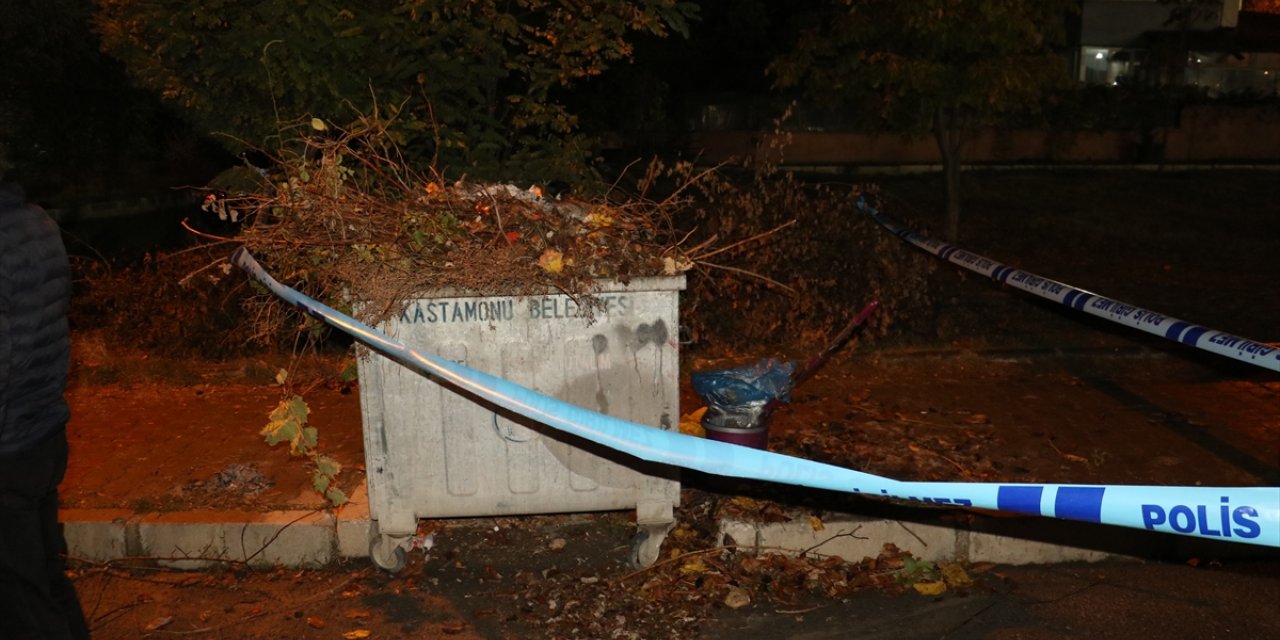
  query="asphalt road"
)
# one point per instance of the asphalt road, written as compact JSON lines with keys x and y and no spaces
{"x":1103,"y":600}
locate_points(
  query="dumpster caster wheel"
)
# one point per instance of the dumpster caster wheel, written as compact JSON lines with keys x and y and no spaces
{"x":645,"y":547}
{"x":388,"y":554}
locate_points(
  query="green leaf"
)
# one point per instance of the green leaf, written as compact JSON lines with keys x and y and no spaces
{"x":336,"y":496}
{"x":280,"y":431}
{"x":470,"y":55}
{"x":299,"y":409}
{"x":350,"y":372}
{"x":320,"y":482}
{"x":328,"y":466}
{"x":305,"y":441}
{"x":286,"y":421}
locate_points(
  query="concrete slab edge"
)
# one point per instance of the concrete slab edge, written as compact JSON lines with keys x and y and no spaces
{"x":314,"y":538}
{"x":1010,"y":541}
{"x":200,"y":539}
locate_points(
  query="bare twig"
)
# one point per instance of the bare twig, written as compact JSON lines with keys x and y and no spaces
{"x":275,"y":535}
{"x":750,"y":274}
{"x":116,"y":612}
{"x":796,"y":612}
{"x":267,"y":612}
{"x":698,"y":247}
{"x":622,"y":174}
{"x":187,"y":278}
{"x":965,"y":472}
{"x":101,"y":593}
{"x":701,"y":552}
{"x":199,"y":247}
{"x":208,"y":236}
{"x":758,"y":236}
{"x":842,"y":534}
{"x":690,"y":182}
{"x":972,"y":617}
{"x":913,"y":534}
{"x":124,"y":562}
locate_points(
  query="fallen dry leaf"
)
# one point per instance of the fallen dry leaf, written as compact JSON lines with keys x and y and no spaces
{"x":690,"y":568}
{"x":552,"y":261}
{"x":599,"y":218}
{"x":934,"y":588}
{"x":691,"y":423}
{"x":675,"y":266}
{"x":737,"y":598}
{"x":815,"y":523}
{"x":357,"y":634}
{"x":159,"y":623}
{"x":859,"y":397}
{"x":683,"y":533}
{"x":981,"y":567}
{"x":955,"y":576}
{"x":315,"y":623}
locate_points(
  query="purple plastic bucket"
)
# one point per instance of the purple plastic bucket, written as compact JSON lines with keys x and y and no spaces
{"x":754,"y":437}
{"x":754,"y":433}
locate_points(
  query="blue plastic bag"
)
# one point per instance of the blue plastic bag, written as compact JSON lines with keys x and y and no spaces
{"x":743,"y":397}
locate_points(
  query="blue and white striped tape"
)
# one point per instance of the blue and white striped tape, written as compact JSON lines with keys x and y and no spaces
{"x":1221,"y":343}
{"x":1249,"y":515}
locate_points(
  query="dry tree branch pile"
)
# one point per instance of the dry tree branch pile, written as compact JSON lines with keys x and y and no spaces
{"x":350,"y":220}
{"x":346,"y":219}
{"x":816,"y":260}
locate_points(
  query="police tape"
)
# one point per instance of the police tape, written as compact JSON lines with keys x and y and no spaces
{"x":1221,"y":343}
{"x":1239,"y":514}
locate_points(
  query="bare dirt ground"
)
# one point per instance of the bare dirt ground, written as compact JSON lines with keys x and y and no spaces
{"x":1151,"y":418}
{"x":1009,"y":389}
{"x":165,"y":447}
{"x":157,"y":447}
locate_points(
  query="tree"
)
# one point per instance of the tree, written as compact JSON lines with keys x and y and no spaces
{"x":945,"y":66}
{"x":470,"y":86}
{"x":645,"y":108}
{"x":72,"y":126}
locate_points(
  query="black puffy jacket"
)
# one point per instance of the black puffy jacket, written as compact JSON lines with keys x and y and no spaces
{"x":35,"y":346}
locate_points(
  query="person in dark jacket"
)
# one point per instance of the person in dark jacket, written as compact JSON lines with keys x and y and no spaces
{"x":37,"y":600}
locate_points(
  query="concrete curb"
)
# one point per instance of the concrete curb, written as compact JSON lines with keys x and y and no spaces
{"x":200,"y":539}
{"x":854,"y":538}
{"x":974,"y":537}
{"x":315,"y":538}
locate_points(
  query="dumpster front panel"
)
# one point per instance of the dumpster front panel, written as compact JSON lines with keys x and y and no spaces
{"x":431,"y":452}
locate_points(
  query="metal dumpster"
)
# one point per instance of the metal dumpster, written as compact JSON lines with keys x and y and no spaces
{"x":430,"y":452}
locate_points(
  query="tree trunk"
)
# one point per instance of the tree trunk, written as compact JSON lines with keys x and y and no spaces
{"x":950,"y":137}
{"x":951,"y":170}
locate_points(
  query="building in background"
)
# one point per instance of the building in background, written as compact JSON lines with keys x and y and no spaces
{"x":1209,"y":44}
